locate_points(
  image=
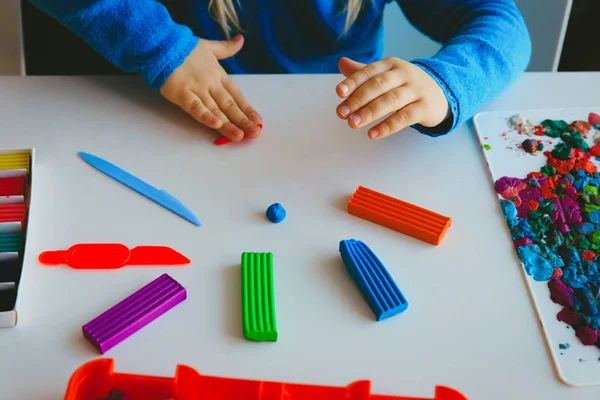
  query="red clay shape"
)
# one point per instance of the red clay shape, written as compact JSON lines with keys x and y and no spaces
{"x":112,"y":256}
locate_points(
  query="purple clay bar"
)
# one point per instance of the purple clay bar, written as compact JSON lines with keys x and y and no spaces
{"x":132,"y":314}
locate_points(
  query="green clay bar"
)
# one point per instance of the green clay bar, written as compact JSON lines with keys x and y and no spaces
{"x":258,"y":301}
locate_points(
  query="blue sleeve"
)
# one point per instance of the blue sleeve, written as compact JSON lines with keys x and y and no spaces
{"x":486,"y":46}
{"x":135,"y":35}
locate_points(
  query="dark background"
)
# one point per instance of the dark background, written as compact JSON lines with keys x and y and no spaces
{"x":51,"y":49}
{"x":581,"y":51}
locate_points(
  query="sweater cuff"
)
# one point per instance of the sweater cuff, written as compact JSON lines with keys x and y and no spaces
{"x":157,"y":75}
{"x":449,"y":124}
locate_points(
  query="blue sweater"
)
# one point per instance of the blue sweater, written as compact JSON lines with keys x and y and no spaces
{"x":486,"y":44}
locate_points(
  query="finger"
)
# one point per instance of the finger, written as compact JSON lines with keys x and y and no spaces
{"x":192,"y":104}
{"x":375,"y":87}
{"x":403,"y":118}
{"x":234,"y":114}
{"x":226,"y":129}
{"x":226,"y":48}
{"x":391,"y":101}
{"x":347,"y":66}
{"x":246,"y":108}
{"x":349,"y":85}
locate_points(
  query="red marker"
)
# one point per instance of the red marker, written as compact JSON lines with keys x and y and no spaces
{"x":112,"y":256}
{"x":223,"y":140}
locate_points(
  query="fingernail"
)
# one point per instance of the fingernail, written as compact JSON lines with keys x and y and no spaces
{"x":344,"y":110}
{"x":373,"y":133}
{"x":256,"y":119}
{"x":237,"y":38}
{"x":343,"y":88}
{"x":356,"y":119}
{"x":238,"y":134}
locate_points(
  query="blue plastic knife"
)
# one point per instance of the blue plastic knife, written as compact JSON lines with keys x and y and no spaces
{"x":159,"y":196}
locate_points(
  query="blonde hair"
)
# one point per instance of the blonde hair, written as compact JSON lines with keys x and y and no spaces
{"x":223,"y":11}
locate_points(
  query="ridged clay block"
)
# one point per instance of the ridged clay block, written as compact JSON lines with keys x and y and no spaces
{"x":373,"y":279}
{"x":12,"y":186}
{"x":133,"y":313}
{"x":258,"y":301}
{"x":398,"y":215}
{"x":14,"y":164}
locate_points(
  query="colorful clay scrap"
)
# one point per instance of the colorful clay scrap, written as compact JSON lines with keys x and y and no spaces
{"x":91,"y":379}
{"x":373,"y":280}
{"x":258,"y":297}
{"x":135,"y":312}
{"x":398,"y":215}
{"x":112,"y":256}
{"x":554,"y":220}
{"x":276,"y":213}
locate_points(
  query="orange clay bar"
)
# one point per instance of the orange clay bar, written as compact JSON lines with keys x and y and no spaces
{"x":398,"y":215}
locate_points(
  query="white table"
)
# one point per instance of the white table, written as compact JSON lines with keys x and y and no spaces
{"x":470,"y":324}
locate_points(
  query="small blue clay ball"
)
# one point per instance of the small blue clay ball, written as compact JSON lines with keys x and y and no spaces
{"x":276,"y":213}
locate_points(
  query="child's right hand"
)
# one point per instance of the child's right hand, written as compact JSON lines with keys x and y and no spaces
{"x":202,"y":88}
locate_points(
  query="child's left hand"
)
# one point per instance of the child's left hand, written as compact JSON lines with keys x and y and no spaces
{"x":389,"y":86}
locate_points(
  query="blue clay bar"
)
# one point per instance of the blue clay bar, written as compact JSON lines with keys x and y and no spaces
{"x":276,"y":213}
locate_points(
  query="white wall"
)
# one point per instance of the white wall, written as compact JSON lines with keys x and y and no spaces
{"x":10,"y":38}
{"x":546,"y":20}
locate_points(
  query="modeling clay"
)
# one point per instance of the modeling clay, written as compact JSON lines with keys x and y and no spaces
{"x":258,"y":297}
{"x":12,"y":186}
{"x":521,"y":124}
{"x":531,"y":146}
{"x":563,"y":346}
{"x":159,"y":196}
{"x":6,"y":208}
{"x":276,"y":213}
{"x":14,"y":161}
{"x":8,"y":296}
{"x":373,"y":279}
{"x":11,"y":242}
{"x":554,"y":219}
{"x":594,"y":118}
{"x":582,"y":127}
{"x":596,"y":137}
{"x":10,"y":271}
{"x":223,"y":140}
{"x":398,"y":215}
{"x":92,"y":379}
{"x":574,"y":139}
{"x":133,"y":313}
{"x":553,"y":128}
{"x":112,"y":256}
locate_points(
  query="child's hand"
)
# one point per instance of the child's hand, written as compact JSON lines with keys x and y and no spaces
{"x":202,"y":88}
{"x":389,"y":86}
